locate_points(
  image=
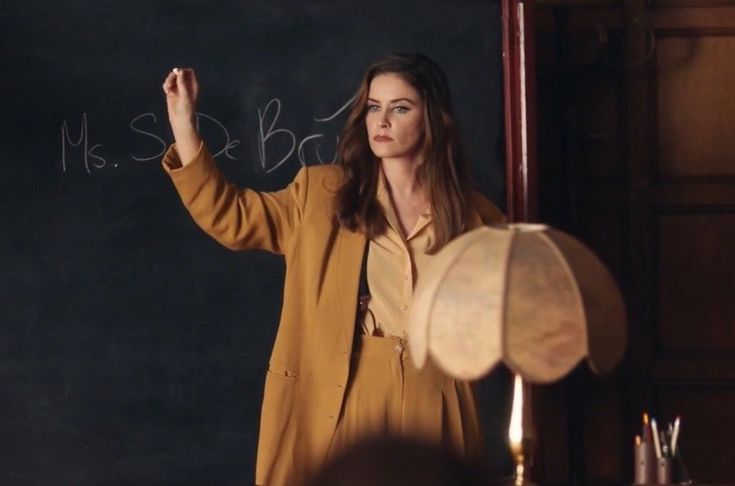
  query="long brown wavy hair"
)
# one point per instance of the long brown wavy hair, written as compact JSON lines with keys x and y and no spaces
{"x":443,"y":175}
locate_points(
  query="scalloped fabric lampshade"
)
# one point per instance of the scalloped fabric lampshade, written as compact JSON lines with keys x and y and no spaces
{"x":527,"y":295}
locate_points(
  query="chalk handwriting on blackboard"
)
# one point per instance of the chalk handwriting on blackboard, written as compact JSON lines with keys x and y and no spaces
{"x":229,"y":144}
{"x":264,"y":136}
{"x":336,"y":113}
{"x":149,"y":134}
{"x":94,"y":161}
{"x":270,"y":114}
{"x":320,"y":135}
{"x":144,"y":124}
{"x":97,"y":162}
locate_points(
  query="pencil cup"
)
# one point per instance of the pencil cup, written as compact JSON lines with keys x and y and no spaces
{"x":645,"y":464}
{"x":663,"y":470}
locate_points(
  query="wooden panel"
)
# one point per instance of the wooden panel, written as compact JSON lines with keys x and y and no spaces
{"x":579,"y":3}
{"x":606,"y":234}
{"x":551,"y":454}
{"x":696,"y":281}
{"x":583,"y":169}
{"x":701,"y":368}
{"x":658,"y":207}
{"x":684,"y":7}
{"x":696,"y":106}
{"x":599,"y":124}
{"x":699,"y":194}
{"x":578,"y":20}
{"x":604,"y":438}
{"x":708,"y":428}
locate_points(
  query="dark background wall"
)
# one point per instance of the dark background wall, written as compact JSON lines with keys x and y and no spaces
{"x":132,"y":347}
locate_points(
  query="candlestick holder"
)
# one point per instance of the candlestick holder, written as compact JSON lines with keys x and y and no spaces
{"x":523,"y":458}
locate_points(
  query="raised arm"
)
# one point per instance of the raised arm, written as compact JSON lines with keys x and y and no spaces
{"x":237,"y":218}
{"x":182,"y":93}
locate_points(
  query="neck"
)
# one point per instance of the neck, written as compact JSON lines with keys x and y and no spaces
{"x":400,"y":176}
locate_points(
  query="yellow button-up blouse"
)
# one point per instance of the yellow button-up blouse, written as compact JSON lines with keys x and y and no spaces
{"x":394,"y":264}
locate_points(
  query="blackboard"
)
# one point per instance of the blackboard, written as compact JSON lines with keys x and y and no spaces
{"x":132,"y":347}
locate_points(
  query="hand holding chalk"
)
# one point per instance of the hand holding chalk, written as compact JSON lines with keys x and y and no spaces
{"x":182,"y":93}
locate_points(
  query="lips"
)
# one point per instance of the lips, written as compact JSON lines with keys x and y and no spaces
{"x":382,"y":138}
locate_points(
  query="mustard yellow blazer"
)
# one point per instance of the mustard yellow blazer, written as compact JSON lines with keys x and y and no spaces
{"x":309,"y":365}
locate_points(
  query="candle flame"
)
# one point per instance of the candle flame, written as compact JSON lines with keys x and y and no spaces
{"x":515,"y":431}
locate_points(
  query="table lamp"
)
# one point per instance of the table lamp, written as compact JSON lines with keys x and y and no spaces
{"x":527,"y":295}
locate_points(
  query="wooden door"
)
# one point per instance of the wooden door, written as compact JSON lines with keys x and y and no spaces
{"x":636,"y":156}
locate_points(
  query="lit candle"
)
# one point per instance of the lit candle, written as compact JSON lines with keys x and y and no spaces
{"x":515,"y":431}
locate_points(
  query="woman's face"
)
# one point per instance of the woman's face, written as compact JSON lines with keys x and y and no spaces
{"x":394,"y":118}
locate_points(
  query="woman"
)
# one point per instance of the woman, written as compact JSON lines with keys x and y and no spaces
{"x":398,"y":193}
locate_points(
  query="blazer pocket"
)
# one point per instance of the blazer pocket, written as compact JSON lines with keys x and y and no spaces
{"x":281,"y":374}
{"x":277,"y":430}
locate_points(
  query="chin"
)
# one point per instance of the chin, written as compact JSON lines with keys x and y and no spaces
{"x":380,"y":152}
{"x":383,"y":152}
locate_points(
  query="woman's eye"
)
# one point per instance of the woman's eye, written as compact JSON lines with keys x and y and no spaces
{"x":373,"y":108}
{"x":401,"y":109}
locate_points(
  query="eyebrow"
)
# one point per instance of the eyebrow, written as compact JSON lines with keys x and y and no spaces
{"x":395,"y":100}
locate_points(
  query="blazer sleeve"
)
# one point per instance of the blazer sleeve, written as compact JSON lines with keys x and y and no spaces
{"x":488,"y":212}
{"x":239,"y":219}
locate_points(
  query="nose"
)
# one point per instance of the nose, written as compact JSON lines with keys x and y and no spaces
{"x":383,"y":121}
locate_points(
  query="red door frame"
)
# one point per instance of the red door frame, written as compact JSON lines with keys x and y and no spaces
{"x":519,"y":107}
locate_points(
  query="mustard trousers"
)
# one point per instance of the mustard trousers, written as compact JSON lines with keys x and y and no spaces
{"x":388,"y":395}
